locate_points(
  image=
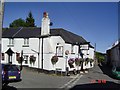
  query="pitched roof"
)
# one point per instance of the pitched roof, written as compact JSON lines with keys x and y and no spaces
{"x":28,"y":32}
{"x":20,"y":32}
{"x":68,"y":37}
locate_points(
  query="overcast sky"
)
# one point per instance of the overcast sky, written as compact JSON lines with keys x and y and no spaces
{"x":96,"y":22}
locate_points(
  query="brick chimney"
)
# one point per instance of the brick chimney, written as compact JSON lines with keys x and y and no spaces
{"x":45,"y":28}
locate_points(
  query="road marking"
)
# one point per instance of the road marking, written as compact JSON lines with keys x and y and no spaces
{"x":72,"y":81}
{"x":72,"y":84}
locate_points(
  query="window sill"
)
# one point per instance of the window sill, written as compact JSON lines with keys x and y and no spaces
{"x":59,"y":56}
{"x":25,"y":45}
{"x":10,"y":45}
{"x":84,"y":49}
{"x":72,"y":53}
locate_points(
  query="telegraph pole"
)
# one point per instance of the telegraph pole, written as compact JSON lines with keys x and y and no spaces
{"x":95,"y":60}
{"x":1,"y":24}
{"x":118,"y":21}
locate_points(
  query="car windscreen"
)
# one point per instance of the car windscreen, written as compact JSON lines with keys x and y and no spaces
{"x":10,"y":68}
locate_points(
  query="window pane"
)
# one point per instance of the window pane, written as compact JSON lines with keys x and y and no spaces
{"x":59,"y":50}
{"x":11,"y":41}
{"x":26,"y":41}
{"x":3,"y":57}
{"x":72,"y":48}
{"x":26,"y":59}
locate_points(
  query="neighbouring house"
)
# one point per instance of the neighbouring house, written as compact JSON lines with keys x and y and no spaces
{"x":39,"y":45}
{"x":113,"y":55}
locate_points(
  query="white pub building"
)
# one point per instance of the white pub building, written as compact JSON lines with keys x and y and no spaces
{"x":39,"y":45}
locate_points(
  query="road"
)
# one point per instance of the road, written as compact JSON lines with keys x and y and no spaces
{"x":98,"y":77}
{"x":33,"y":79}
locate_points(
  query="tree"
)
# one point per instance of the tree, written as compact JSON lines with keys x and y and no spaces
{"x":30,"y":22}
{"x":100,"y":57}
{"x":18,"y":23}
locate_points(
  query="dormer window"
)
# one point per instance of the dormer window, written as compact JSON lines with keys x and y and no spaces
{"x":72,"y":49}
{"x":11,"y":42}
{"x":26,"y":42}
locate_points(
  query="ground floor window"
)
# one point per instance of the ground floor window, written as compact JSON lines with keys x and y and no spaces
{"x":25,"y":59}
{"x":32,"y":59}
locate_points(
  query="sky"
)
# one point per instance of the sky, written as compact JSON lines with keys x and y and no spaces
{"x":61,"y":0}
{"x":97,"y":22}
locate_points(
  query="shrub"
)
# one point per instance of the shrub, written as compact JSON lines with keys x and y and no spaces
{"x":70,"y":62}
{"x":54,"y":60}
{"x":87,"y":60}
{"x":19,"y":60}
{"x":32,"y":59}
{"x":77,"y":61}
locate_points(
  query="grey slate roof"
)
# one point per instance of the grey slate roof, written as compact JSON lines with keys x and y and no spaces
{"x":28,"y":32}
{"x":68,"y":37}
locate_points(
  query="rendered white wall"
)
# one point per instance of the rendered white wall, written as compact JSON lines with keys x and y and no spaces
{"x":49,"y":50}
{"x":18,"y":47}
{"x":91,"y":53}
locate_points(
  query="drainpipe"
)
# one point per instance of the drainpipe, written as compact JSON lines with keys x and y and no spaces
{"x":95,"y":59}
{"x":39,"y":54}
{"x":21,"y":60}
{"x":42,"y":46}
{"x":42,"y":54}
{"x":81,"y":54}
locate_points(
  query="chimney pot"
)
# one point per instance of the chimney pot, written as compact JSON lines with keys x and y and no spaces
{"x":45,"y":14}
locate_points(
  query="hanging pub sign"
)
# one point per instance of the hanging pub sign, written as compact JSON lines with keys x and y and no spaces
{"x":66,"y":52}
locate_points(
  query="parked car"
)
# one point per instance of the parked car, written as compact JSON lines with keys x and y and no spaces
{"x":116,"y":72}
{"x":10,"y":73}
